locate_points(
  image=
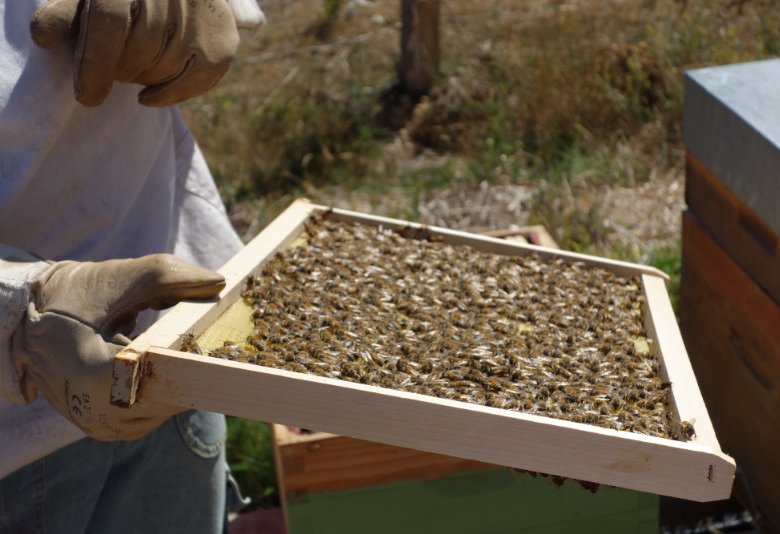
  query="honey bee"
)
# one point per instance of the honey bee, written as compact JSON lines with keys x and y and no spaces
{"x":229,"y":351}
{"x":188,"y":344}
{"x":686,"y":430}
{"x":554,"y":480}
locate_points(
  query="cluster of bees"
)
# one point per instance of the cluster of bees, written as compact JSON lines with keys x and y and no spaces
{"x":402,"y":310}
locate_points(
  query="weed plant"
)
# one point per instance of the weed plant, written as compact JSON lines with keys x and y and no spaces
{"x":251,"y":461}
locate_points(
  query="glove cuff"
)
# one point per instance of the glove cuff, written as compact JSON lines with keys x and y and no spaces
{"x":18,"y":271}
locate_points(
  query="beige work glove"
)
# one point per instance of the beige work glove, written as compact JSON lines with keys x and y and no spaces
{"x":79,"y":316}
{"x":176,"y":48}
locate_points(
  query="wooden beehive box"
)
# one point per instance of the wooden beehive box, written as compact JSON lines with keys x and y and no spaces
{"x":151,"y":371}
{"x":730,"y":292}
{"x":333,"y":484}
{"x":317,"y":462}
{"x":486,"y":500}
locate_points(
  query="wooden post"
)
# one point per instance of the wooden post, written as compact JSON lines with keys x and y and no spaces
{"x":419,"y":44}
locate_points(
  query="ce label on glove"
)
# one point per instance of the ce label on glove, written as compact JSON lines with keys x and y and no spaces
{"x":77,"y":404}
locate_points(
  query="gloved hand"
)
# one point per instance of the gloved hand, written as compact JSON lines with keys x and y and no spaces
{"x":79,"y":316}
{"x":176,"y":48}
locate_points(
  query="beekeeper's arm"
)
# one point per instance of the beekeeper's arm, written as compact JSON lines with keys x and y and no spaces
{"x":62,"y":323}
{"x":176,"y":48}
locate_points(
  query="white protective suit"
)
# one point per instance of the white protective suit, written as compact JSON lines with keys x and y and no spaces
{"x":116,"y":181}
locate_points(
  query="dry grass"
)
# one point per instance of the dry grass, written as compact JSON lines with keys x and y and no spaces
{"x":586,"y":93}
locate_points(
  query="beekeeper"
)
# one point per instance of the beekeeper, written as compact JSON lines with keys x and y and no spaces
{"x":93,"y":189}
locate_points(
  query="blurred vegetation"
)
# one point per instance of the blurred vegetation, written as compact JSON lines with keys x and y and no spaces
{"x":541,"y":92}
{"x":249,"y":450}
{"x":568,"y":96}
{"x":667,"y":259}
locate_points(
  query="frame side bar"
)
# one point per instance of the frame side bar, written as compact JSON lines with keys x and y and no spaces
{"x":686,"y":397}
{"x":194,"y":317}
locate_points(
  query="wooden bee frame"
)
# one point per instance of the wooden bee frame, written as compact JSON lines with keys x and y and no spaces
{"x":149,"y":371}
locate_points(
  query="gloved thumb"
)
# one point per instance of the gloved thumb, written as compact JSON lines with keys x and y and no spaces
{"x":109,"y":295}
{"x":159,"y":281}
{"x":55,"y":24}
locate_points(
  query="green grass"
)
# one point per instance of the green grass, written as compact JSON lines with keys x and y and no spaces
{"x":249,"y":455}
{"x":669,"y":260}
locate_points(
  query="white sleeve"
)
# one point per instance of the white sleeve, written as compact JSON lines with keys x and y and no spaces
{"x":249,"y":17}
{"x":17,"y":271}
